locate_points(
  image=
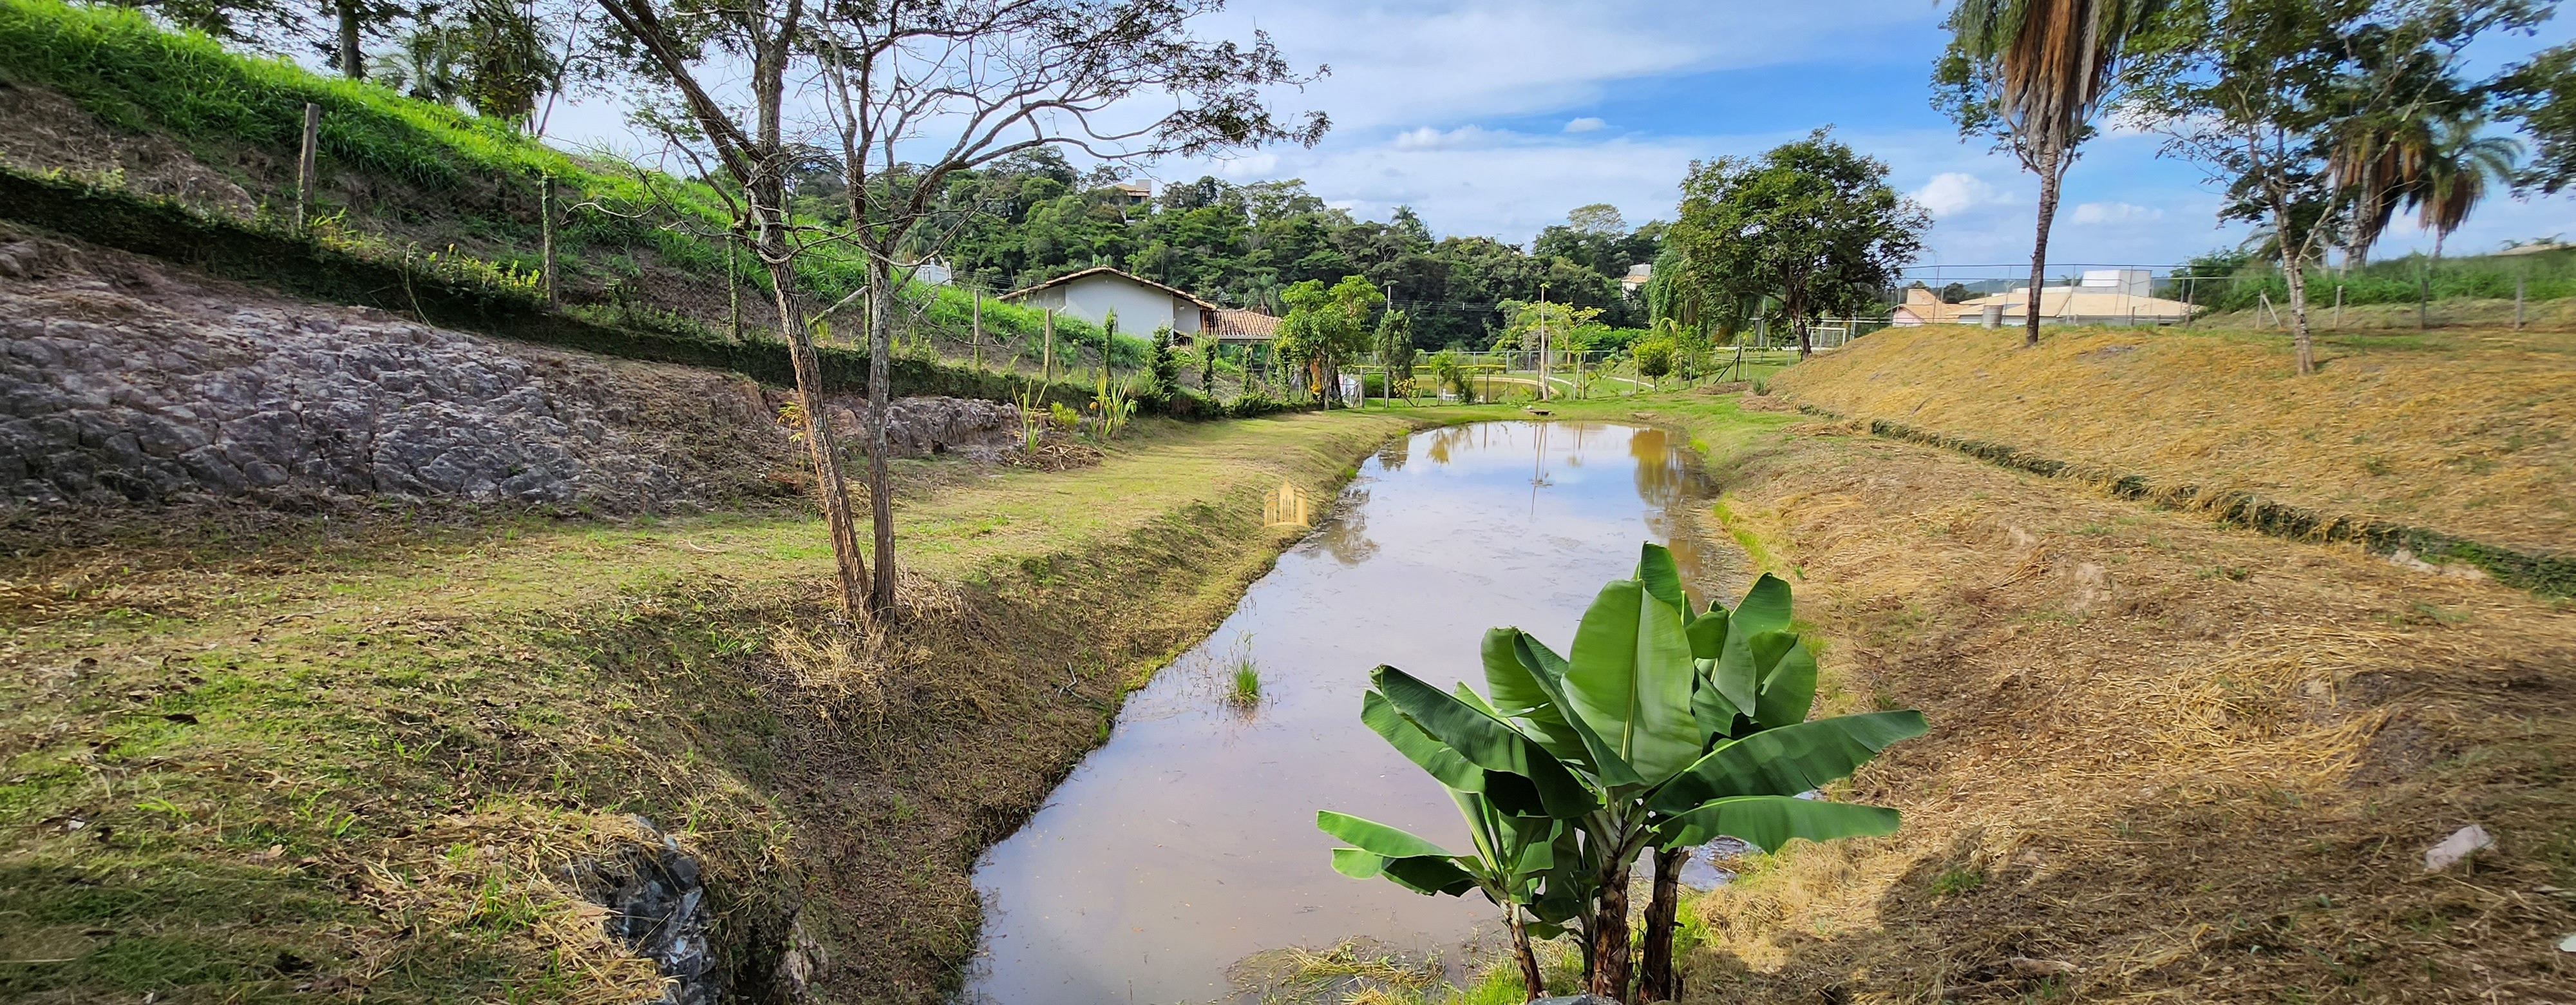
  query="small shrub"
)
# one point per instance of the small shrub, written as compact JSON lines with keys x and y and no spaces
{"x":1957,"y":880}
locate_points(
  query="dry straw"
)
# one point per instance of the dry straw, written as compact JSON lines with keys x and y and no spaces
{"x":2465,"y":433}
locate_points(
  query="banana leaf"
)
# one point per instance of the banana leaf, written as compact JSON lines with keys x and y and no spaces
{"x":1767,"y":822}
{"x":1486,"y":742}
{"x":1630,"y":679}
{"x":1785,"y":761}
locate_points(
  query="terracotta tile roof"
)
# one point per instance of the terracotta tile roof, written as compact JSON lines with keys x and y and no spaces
{"x":1238,"y":325}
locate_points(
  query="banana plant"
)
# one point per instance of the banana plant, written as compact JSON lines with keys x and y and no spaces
{"x":1666,"y":729}
{"x":1686,"y":726}
{"x":1514,"y":796}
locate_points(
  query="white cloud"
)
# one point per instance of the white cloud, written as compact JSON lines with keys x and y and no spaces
{"x":1585,"y":124}
{"x":1251,"y":166}
{"x":2116,"y":212}
{"x":1461,"y":138}
{"x":1951,"y":193}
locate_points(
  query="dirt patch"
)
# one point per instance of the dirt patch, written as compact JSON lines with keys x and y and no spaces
{"x":2167,"y":758}
{"x":40,"y":130}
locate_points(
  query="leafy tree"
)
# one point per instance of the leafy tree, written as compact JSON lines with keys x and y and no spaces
{"x":1956,"y":293}
{"x":757,"y":39}
{"x":424,"y":64}
{"x":1394,"y":348}
{"x":2541,"y":93}
{"x":1654,"y":357}
{"x":2262,"y":93}
{"x":2032,"y":73}
{"x":1325,"y":327}
{"x":920,"y":93}
{"x":507,"y":63}
{"x":1810,"y":222}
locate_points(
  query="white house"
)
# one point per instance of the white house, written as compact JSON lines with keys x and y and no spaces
{"x":1142,"y":304}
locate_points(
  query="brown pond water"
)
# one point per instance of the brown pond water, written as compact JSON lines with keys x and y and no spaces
{"x":1187,"y":842}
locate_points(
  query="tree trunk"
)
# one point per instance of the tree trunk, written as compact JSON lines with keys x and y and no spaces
{"x":880,"y":492}
{"x":1531,"y":980}
{"x":819,"y":435}
{"x":2051,"y":172}
{"x":2296,"y":278}
{"x":1610,"y":931}
{"x":352,"y":63}
{"x":1655,"y":981}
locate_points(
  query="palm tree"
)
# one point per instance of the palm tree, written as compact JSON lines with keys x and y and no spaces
{"x":2039,"y":69}
{"x":2378,"y":165}
{"x":2458,"y":167}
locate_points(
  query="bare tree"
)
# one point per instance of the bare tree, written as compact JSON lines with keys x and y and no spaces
{"x":767,"y":34}
{"x":923,"y":89}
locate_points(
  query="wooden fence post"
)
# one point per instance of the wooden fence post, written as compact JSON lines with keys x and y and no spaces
{"x":733,"y":281}
{"x":304,"y":164}
{"x":546,"y":233}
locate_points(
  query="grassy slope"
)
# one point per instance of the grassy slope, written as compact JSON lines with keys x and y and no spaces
{"x":399,"y":171}
{"x":2465,"y":432}
{"x":350,"y":760}
{"x":2189,"y":760}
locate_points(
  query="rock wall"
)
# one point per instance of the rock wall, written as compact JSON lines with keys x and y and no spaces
{"x":125,"y":382}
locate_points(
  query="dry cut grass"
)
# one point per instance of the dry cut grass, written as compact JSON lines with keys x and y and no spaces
{"x":2472,"y":433}
{"x":2169,"y":760}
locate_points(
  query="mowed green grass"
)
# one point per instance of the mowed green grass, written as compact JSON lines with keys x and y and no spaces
{"x":349,"y":760}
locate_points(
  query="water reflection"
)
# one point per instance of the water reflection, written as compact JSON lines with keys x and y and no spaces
{"x":1187,"y":842}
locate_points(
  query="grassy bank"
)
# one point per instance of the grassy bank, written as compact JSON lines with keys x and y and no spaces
{"x":2461,"y":432}
{"x":130,"y":105}
{"x":2168,"y":758}
{"x":352,"y":760}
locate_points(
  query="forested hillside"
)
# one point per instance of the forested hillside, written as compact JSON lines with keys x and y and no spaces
{"x":1241,"y":244}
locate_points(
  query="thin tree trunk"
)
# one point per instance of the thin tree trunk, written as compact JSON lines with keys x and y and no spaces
{"x":1655,"y":981}
{"x":880,"y":491}
{"x":819,"y":435}
{"x":1531,"y":980}
{"x":352,"y":63}
{"x":2049,"y":177}
{"x":2297,"y":279}
{"x":1610,"y":931}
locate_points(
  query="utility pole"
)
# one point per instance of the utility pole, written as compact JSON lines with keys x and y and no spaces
{"x":1542,"y":342}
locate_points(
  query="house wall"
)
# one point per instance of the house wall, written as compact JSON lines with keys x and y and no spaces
{"x":1141,"y":309}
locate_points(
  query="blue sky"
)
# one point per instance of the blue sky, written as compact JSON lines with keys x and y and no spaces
{"x":1497,"y":117}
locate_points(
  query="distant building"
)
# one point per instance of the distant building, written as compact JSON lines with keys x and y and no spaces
{"x":1924,"y":307}
{"x":2099,"y":297}
{"x":1135,"y":192}
{"x":1637,"y":276}
{"x":1141,"y":304}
